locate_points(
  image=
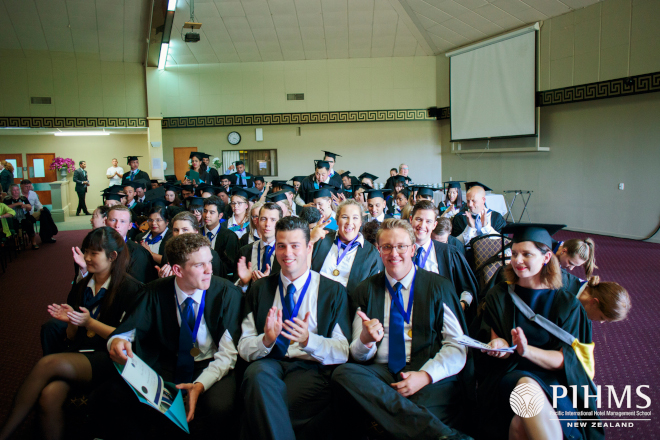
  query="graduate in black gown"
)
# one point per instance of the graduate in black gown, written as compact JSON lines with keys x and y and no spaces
{"x":137,"y":208}
{"x":135,"y":173}
{"x":412,"y":378}
{"x":214,"y":176}
{"x":311,"y":183}
{"x":185,"y":223}
{"x":257,"y":259}
{"x":540,"y":359}
{"x":197,"y":162}
{"x":344,"y":255}
{"x":453,"y":202}
{"x":241,"y":177}
{"x":478,"y":220}
{"x":295,"y":331}
{"x":335,"y":178}
{"x":155,"y":239}
{"x":93,"y":309}
{"x":442,"y":258}
{"x":224,"y":241}
{"x":376,"y":205}
{"x":442,"y":233}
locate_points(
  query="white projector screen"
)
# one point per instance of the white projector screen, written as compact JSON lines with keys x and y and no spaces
{"x":493,"y":89}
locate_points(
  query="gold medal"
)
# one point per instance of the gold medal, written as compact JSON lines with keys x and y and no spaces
{"x":291,"y":342}
{"x":194,"y":352}
{"x":335,"y":272}
{"x":91,"y":333}
{"x":410,"y":333}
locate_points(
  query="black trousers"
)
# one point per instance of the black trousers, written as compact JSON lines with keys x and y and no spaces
{"x":115,"y":401}
{"x":81,"y":202}
{"x":363,"y":393}
{"x":287,"y":399}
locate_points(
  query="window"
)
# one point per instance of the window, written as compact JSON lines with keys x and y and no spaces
{"x":39,"y":169}
{"x":257,"y":162}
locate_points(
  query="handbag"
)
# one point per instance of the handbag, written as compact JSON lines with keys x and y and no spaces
{"x":584,"y":352}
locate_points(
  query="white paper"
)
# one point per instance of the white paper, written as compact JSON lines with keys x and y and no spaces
{"x":470,"y":342}
{"x":145,"y":380}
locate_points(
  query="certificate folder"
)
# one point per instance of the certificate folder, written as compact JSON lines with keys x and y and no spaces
{"x":152,"y":390}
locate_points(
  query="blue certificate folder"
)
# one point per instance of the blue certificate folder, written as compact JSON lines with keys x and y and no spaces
{"x":152,"y":390}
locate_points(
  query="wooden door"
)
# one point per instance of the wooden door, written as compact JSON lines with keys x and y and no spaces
{"x":17,"y":161}
{"x":181,"y":156}
{"x":39,"y":174}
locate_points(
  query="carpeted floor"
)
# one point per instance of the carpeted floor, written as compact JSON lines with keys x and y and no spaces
{"x":626,"y":354}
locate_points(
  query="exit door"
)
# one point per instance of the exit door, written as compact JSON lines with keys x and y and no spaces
{"x":40,"y":174}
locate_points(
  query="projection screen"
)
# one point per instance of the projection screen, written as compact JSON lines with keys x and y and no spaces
{"x":493,"y":88}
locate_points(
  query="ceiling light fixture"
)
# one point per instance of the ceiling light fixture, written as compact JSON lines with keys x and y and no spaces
{"x":82,"y":133}
{"x":163,"y":55}
{"x":171,"y":5}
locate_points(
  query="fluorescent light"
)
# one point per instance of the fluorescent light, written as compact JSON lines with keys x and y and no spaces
{"x":82,"y":133}
{"x":171,"y":5}
{"x":163,"y":56}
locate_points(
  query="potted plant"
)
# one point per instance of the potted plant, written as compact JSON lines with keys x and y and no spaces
{"x":65,"y":166}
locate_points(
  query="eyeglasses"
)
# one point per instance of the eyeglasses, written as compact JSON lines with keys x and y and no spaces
{"x":400,"y":248}
{"x":236,"y":203}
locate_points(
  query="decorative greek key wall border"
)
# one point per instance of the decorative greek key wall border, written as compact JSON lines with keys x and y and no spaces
{"x":298,"y":118}
{"x":40,"y":122}
{"x":634,"y":85}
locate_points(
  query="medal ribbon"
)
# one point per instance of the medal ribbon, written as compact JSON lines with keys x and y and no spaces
{"x":349,"y":247}
{"x":397,"y":302}
{"x":198,"y":321}
{"x":294,"y":312}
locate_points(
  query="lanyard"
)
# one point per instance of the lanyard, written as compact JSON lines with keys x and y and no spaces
{"x":346,"y":249}
{"x":294,"y":313}
{"x":267,"y":255}
{"x":212,"y":235}
{"x":397,"y":303}
{"x":198,"y":321}
{"x":426,"y":256}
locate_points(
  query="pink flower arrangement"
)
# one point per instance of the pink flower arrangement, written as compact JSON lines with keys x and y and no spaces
{"x":59,"y":163}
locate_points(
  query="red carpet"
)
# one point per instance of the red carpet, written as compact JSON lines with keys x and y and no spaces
{"x":626,"y":352}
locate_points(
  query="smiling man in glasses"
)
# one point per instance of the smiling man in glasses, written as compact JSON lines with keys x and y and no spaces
{"x":411,"y":376}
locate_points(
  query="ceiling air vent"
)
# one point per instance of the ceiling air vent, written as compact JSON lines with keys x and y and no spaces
{"x":295,"y":96}
{"x":41,"y":100}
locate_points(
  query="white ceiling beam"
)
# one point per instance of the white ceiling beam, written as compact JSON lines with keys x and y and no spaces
{"x":414,"y":26}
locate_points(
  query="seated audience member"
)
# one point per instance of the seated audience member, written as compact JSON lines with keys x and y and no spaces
{"x":293,"y":333}
{"x":311,"y":183}
{"x":369,"y":231}
{"x":453,"y":202}
{"x":185,"y":223}
{"x":172,"y":197}
{"x":281,"y":198}
{"x":311,"y":215}
{"x":47,"y":227}
{"x":359,"y":194}
{"x":239,"y":221}
{"x":393,"y":172}
{"x":141,"y":265}
{"x":540,"y":360}
{"x":478,"y":220}
{"x":399,"y":202}
{"x":442,"y":233}
{"x":442,"y":258}
{"x":411,"y":375}
{"x":189,"y":341}
{"x":604,"y":300}
{"x":423,"y":193}
{"x":259,"y":185}
{"x":22,"y":207}
{"x":94,"y":308}
{"x":323,"y":202}
{"x":253,"y":230}
{"x":343,"y":255}
{"x":223,"y":241}
{"x":406,"y":212}
{"x":196,"y":208}
{"x":575,"y":253}
{"x":6,"y":214}
{"x":376,"y":205}
{"x":159,"y":233}
{"x":99,"y":215}
{"x":136,"y":207}
{"x":258,"y":258}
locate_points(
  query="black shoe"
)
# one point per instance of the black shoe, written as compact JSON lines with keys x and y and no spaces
{"x":50,"y":240}
{"x":77,"y":214}
{"x":455,"y":435}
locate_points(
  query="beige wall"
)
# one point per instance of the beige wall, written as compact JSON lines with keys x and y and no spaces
{"x":328,"y":85}
{"x":594,"y":146}
{"x":373,"y":146}
{"x":96,"y":151}
{"x":77,"y":86}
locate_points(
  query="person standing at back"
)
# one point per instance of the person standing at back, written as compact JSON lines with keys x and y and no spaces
{"x":115,"y":173}
{"x":82,"y":182}
{"x":135,"y":172}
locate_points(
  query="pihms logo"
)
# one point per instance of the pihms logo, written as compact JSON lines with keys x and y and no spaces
{"x":559,"y":391}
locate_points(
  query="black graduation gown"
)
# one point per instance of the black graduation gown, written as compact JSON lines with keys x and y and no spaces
{"x":249,"y":178}
{"x":245,"y":239}
{"x":570,"y":282}
{"x":218,"y":268}
{"x":246,"y":251}
{"x":157,"y":328}
{"x":137,"y":210}
{"x":163,"y":242}
{"x":141,"y":175}
{"x":336,"y":181}
{"x":389,"y":184}
{"x":214,"y":176}
{"x":456,"y":243}
{"x":226,"y":214}
{"x":367,"y":261}
{"x":332,"y":304}
{"x":141,"y":265}
{"x":226,"y":245}
{"x":460,"y":222}
{"x":306,"y":189}
{"x":498,"y":315}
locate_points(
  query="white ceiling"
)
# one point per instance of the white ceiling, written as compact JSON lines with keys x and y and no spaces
{"x":113,"y":30}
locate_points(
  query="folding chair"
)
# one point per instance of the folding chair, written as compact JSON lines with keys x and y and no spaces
{"x":488,"y":256}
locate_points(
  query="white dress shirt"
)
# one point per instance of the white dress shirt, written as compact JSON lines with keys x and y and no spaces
{"x":327,"y":351}
{"x":232,"y":222}
{"x":449,"y":360}
{"x":255,"y":258}
{"x":156,"y":246}
{"x":469,"y":233}
{"x":33,"y":199}
{"x":111,"y":172}
{"x":224,"y":356}
{"x":346,"y":264}
{"x":432,"y":266}
{"x":380,"y":218}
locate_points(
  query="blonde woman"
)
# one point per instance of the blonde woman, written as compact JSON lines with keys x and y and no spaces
{"x":577,"y":252}
{"x":604,"y":300}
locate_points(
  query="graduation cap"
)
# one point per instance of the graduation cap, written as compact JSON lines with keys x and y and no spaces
{"x":188,"y":188}
{"x":171,"y":178}
{"x":453,"y":184}
{"x":324,"y":191}
{"x":298,"y":178}
{"x":174,"y":188}
{"x":399,"y":178}
{"x":198,"y":154}
{"x":203,"y":187}
{"x":258,"y":179}
{"x":196,"y":202}
{"x":278,"y":196}
{"x":248,"y":193}
{"x":154,"y":181}
{"x":160,"y":201}
{"x":278,"y":183}
{"x":154,"y":194}
{"x":130,"y":158}
{"x":114,"y":189}
{"x":368,"y":176}
{"x":537,"y":232}
{"x":425,"y":191}
{"x":219,"y":189}
{"x":405,"y":192}
{"x":114,"y":196}
{"x":142,"y":184}
{"x":469,"y":185}
{"x":286,"y":187}
{"x":375,"y":193}
{"x":225,"y":177}
{"x":321,"y":164}
{"x":330,"y":154}
{"x":134,"y":184}
{"x":345,"y":174}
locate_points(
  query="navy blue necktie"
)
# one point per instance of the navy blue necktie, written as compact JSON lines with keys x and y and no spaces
{"x":90,"y":301}
{"x":282,"y":343}
{"x":418,"y":257}
{"x":267,"y":261}
{"x":397,"y":349}
{"x":185,"y":363}
{"x":343,"y":245}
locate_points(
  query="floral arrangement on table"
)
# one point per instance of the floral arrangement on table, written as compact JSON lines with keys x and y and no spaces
{"x":60,"y":163}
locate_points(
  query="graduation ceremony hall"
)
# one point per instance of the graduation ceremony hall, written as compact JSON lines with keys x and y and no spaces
{"x":329,"y":219}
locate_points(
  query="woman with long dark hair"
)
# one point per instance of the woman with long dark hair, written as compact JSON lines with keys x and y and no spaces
{"x":94,"y":309}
